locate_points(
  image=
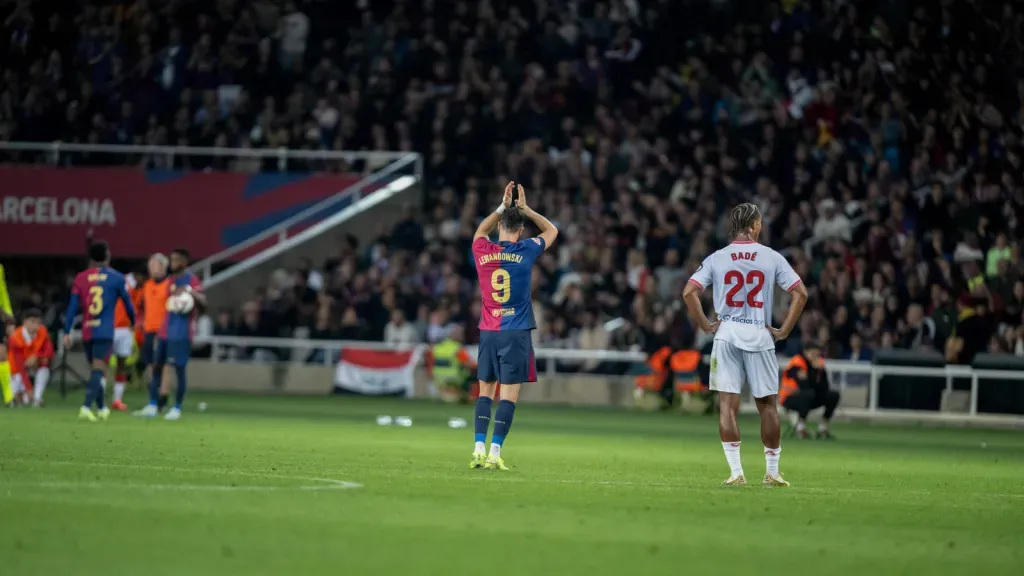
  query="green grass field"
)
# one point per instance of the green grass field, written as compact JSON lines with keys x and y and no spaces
{"x":264,"y":486}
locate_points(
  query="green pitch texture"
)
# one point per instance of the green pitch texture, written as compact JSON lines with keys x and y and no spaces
{"x":245,"y":488}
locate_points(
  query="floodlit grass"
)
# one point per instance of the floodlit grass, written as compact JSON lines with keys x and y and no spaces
{"x":315,"y":486}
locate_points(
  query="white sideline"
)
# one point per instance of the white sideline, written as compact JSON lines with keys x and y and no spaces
{"x":316,"y":484}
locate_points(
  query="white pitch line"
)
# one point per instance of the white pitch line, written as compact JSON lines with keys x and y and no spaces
{"x":700,"y":488}
{"x":318,"y":483}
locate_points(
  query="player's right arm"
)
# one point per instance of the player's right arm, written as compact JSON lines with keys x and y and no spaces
{"x":701,"y":279}
{"x":71,"y":312}
{"x":487,"y":226}
{"x":788,"y":279}
{"x":548,"y":231}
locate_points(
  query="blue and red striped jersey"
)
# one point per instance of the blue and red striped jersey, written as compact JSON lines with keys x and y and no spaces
{"x":505,"y":271}
{"x":180,"y":326}
{"x":95,"y":293}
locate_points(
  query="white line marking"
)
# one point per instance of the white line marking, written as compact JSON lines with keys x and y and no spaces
{"x":714,"y":486}
{"x":316,"y":484}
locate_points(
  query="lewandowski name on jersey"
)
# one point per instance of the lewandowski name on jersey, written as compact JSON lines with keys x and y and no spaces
{"x":505,"y":271}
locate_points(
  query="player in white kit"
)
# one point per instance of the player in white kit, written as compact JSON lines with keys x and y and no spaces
{"x":743,"y":276}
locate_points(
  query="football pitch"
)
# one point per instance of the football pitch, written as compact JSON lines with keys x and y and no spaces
{"x":303,"y":486}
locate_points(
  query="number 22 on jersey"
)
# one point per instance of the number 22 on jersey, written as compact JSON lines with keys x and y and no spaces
{"x":501,"y":282}
{"x":734,"y":278}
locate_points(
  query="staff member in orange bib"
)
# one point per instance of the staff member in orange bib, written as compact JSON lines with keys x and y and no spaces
{"x":154,"y":301}
{"x":805,"y":386}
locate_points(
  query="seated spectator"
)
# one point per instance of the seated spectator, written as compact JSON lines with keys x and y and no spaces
{"x":399,"y":331}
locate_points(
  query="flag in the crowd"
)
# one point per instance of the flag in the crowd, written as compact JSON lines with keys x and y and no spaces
{"x":377,"y":372}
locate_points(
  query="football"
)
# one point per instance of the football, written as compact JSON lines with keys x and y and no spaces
{"x":181,"y":303}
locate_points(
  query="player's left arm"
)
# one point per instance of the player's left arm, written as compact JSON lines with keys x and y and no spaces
{"x":548,"y":231}
{"x":196,"y":288}
{"x":787,"y":278}
{"x":700,"y":279}
{"x":487,"y":226}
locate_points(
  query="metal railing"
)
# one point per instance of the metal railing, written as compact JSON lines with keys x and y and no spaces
{"x":204,"y":268}
{"x":839,"y":370}
{"x":54,"y":150}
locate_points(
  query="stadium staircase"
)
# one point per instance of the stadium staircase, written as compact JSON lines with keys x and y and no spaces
{"x":365,"y":210}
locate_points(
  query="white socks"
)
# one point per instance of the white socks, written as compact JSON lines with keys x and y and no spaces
{"x":496,"y":450}
{"x":479,"y":447}
{"x":732,"y":456}
{"x":42,"y":379}
{"x":118,"y":391}
{"x":771,"y":460}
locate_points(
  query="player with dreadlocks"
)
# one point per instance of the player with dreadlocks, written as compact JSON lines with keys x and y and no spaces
{"x":742,"y":277}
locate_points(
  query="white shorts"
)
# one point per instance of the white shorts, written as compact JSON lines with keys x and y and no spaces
{"x":124,"y":340}
{"x":731,"y":366}
{"x":17,"y":384}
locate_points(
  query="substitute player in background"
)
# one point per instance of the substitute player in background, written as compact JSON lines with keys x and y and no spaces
{"x":743,"y":276}
{"x":505,"y":353}
{"x":96,"y":291}
{"x":6,"y":327}
{"x":124,"y":341}
{"x":31,"y":351}
{"x":174,"y":340}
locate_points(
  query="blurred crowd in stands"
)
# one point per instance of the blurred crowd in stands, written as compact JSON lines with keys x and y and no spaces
{"x":882,"y":139}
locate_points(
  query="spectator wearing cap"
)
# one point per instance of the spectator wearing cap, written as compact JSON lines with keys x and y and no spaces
{"x":805,"y":387}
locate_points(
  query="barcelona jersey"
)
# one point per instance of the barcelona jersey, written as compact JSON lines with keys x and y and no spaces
{"x":505,"y":271}
{"x":95,"y":293}
{"x":180,"y":326}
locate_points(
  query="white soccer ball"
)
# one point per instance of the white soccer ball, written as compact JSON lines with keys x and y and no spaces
{"x":181,"y":303}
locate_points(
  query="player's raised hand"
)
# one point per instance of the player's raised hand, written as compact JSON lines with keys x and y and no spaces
{"x":506,"y":200}
{"x":521,"y":201}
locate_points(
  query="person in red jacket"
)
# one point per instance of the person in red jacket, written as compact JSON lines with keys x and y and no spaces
{"x":31,"y":351}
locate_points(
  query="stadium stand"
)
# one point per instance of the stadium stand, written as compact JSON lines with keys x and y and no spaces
{"x":882,"y":140}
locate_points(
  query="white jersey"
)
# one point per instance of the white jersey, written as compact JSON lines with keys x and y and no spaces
{"x":742,"y":277}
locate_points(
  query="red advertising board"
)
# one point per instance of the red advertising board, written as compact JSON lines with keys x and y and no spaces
{"x":49,"y":211}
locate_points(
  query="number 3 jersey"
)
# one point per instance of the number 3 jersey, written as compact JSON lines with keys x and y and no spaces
{"x":95,"y":292}
{"x":742,"y":277}
{"x":505,"y":271}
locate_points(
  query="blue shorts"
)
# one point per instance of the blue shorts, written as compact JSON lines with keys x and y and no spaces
{"x":506,"y":357}
{"x":172,"y":352}
{"x":98,"y":349}
{"x":148,"y":348}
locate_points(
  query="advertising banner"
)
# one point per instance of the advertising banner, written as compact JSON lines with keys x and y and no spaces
{"x":49,"y":211}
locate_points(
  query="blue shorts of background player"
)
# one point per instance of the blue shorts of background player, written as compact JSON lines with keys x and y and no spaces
{"x":98,"y":349}
{"x":172,"y":352}
{"x":506,"y":357}
{"x":146,"y":355}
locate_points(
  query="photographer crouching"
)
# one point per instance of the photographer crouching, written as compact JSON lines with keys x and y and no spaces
{"x":805,"y":387}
